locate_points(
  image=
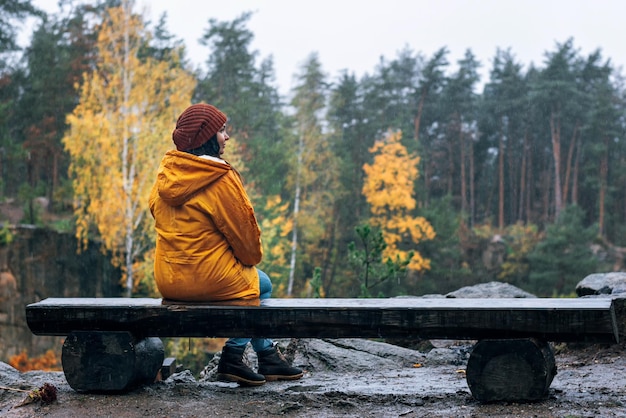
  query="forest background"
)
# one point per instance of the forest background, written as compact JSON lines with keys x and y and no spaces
{"x":403,"y":181}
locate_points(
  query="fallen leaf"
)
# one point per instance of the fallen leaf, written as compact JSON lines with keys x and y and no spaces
{"x":45,"y":394}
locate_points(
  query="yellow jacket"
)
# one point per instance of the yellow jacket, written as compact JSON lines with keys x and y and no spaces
{"x":208,"y":238}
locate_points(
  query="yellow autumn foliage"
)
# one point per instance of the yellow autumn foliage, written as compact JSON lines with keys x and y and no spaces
{"x":389,"y":189}
{"x":118,"y":133}
{"x":276,"y":225}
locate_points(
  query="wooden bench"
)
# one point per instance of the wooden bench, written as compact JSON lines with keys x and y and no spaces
{"x":113,"y":344}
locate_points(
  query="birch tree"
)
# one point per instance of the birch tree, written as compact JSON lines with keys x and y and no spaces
{"x":117,"y":136}
{"x":315,"y":179}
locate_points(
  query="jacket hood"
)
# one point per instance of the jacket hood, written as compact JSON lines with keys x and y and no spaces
{"x":181,"y":175}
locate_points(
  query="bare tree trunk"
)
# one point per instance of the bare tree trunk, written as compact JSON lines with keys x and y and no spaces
{"x":545,"y":186}
{"x":568,"y":166}
{"x":127,"y":167}
{"x":471,"y":184}
{"x":418,"y":117}
{"x":555,"y":130}
{"x":55,"y":175}
{"x":463,"y":173}
{"x":450,"y":169}
{"x":522,"y":180}
{"x":416,"y":126}
{"x":529,"y":182}
{"x":296,"y":209}
{"x":604,"y":169}
{"x":575,"y":174}
{"x":328,"y":250}
{"x":501,"y":181}
{"x":333,"y":260}
{"x":426,"y":175}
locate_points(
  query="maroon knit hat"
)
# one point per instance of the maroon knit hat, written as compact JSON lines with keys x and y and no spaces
{"x":196,"y":125}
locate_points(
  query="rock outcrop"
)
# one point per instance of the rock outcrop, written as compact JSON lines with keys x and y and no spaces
{"x":490,"y":290}
{"x":602,"y":284}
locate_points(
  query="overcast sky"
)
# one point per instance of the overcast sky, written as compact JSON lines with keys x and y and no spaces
{"x":353,"y":34}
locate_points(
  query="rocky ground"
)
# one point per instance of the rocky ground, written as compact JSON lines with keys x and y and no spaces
{"x":344,"y":378}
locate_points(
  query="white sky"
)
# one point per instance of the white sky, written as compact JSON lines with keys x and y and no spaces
{"x":353,"y":34}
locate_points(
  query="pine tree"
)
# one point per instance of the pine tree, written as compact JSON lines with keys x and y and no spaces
{"x":564,"y":258}
{"x":240,"y":87}
{"x":557,"y":93}
{"x":61,"y":51}
{"x":504,"y":128}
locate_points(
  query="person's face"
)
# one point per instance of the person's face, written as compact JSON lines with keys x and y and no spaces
{"x":222,"y":137}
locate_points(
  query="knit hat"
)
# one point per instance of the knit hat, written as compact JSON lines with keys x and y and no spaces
{"x":196,"y":125}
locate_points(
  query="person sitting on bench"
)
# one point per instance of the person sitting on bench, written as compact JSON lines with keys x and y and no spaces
{"x":208,"y":239}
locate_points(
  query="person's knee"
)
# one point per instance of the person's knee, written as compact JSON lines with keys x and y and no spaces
{"x":265,"y":285}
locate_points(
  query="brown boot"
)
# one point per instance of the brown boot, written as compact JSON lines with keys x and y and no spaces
{"x":231,"y":368}
{"x":273,"y":366}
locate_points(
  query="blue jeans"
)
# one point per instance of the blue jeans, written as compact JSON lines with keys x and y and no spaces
{"x":258,"y":344}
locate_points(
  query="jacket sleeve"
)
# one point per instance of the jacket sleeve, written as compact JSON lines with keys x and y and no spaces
{"x":234,"y":217}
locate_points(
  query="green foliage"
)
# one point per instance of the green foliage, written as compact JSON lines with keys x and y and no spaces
{"x":317,"y":290}
{"x":6,"y":236}
{"x":62,"y":197}
{"x":32,"y":211}
{"x":368,"y":261}
{"x":520,"y":240}
{"x":60,"y":52}
{"x":65,"y":225}
{"x":10,"y":11}
{"x":242,"y":88}
{"x":564,"y":258}
{"x":12,"y":154}
{"x":449,"y":269}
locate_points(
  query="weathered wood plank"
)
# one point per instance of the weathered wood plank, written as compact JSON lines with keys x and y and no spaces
{"x":380,"y":303}
{"x":551,"y":319}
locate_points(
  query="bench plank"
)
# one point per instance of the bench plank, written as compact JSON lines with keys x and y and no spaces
{"x":552,"y":319}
